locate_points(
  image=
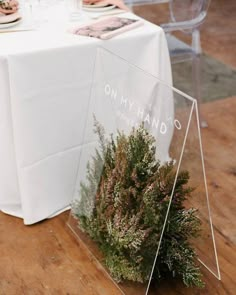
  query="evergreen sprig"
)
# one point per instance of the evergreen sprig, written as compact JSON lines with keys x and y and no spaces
{"x":123,"y":206}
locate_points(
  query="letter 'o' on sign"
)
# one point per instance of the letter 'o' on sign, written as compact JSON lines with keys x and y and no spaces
{"x":107,"y":89}
{"x":177,"y":124}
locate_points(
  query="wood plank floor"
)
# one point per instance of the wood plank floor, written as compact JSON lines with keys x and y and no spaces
{"x":46,"y":258}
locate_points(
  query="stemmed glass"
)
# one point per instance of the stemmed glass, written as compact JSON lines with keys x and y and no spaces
{"x":75,"y":9}
{"x":35,"y":12}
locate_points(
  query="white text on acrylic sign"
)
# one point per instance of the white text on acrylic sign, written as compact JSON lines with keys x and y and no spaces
{"x":142,"y":114}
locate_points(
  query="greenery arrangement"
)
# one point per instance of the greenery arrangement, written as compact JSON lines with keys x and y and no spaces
{"x":123,"y":206}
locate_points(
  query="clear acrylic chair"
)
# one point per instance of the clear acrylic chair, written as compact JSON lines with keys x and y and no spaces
{"x":187,"y":16}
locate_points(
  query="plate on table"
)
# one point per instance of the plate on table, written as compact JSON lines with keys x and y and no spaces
{"x":11,"y":24}
{"x":98,"y":7}
{"x":10,"y":20}
{"x":98,"y":4}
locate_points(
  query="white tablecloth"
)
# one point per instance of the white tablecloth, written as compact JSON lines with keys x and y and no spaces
{"x":45,"y":80}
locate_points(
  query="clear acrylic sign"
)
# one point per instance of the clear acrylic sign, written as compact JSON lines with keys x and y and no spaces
{"x":141,"y":191}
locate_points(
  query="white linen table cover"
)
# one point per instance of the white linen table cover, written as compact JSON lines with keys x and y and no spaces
{"x":45,"y":80}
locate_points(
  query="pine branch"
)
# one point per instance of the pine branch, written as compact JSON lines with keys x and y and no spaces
{"x":123,"y":205}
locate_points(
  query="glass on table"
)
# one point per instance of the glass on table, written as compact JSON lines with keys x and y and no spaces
{"x":34,"y":12}
{"x":75,"y":9}
{"x":39,"y":13}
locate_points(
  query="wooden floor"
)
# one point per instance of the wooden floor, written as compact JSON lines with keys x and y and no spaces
{"x":46,"y":259}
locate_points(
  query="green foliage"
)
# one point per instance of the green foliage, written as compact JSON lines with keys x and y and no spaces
{"x":123,"y":207}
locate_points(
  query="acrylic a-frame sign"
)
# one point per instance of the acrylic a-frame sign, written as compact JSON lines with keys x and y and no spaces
{"x":123,"y":97}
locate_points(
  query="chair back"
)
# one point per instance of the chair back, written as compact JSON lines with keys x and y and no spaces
{"x":188,"y":11}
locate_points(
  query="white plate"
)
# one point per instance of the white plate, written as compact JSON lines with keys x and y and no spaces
{"x":12,"y":24}
{"x":95,"y":8}
{"x":5,"y":19}
{"x":95,"y":5}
